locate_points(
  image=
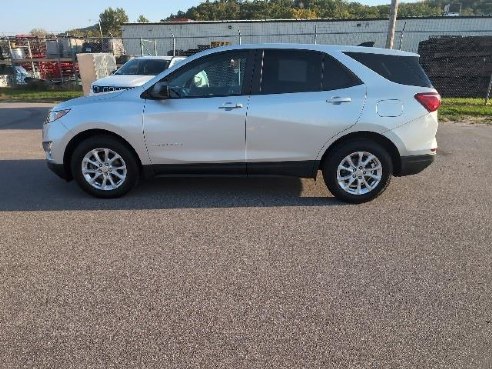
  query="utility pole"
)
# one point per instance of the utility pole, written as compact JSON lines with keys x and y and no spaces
{"x":392,"y":24}
{"x":100,"y":28}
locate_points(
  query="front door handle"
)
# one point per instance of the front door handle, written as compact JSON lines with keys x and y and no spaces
{"x":230,"y":106}
{"x":339,"y":100}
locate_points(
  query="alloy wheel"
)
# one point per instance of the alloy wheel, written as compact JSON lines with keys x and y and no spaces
{"x":104,"y":169}
{"x":359,"y":173}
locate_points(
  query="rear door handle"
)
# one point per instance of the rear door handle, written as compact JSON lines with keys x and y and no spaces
{"x":339,"y":100}
{"x":230,"y":106}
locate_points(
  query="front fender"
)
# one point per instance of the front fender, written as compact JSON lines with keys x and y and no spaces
{"x":124,"y":119}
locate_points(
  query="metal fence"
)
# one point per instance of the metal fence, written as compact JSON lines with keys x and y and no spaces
{"x":459,"y":62}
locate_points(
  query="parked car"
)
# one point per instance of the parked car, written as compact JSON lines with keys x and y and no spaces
{"x":358,"y":114}
{"x":134,"y":72}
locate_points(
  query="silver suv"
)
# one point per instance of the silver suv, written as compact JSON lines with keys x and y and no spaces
{"x":360,"y":115}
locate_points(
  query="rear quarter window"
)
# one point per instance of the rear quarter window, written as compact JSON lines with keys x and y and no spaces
{"x":336,"y":76}
{"x":404,"y":70}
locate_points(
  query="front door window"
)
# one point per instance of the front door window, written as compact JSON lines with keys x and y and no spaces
{"x":221,"y":75}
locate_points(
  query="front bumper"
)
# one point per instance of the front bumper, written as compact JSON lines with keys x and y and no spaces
{"x":414,"y":164}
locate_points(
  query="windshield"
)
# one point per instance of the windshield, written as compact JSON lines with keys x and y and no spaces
{"x":143,"y":67}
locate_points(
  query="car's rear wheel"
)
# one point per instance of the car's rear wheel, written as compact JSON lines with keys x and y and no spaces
{"x":104,"y":167}
{"x":357,"y":171}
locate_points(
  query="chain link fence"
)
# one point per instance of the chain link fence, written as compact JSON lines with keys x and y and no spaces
{"x":459,"y":62}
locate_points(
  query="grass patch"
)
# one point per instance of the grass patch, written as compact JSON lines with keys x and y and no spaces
{"x":465,"y":109}
{"x":33,"y":95}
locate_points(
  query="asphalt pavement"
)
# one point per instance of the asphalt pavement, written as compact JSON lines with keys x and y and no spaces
{"x":245,"y":273}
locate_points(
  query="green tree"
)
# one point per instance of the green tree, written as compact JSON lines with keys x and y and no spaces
{"x":92,"y":31}
{"x":142,"y":19}
{"x":468,"y":7}
{"x":329,"y":9}
{"x":111,"y":21}
{"x":423,"y":9}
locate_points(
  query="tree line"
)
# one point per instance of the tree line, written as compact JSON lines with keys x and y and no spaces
{"x":110,"y":20}
{"x":311,"y":9}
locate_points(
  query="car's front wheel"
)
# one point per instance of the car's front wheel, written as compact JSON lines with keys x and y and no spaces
{"x":104,"y":167}
{"x":357,"y":171}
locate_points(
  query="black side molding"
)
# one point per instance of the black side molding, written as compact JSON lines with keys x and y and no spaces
{"x":414,"y":164}
{"x":302,"y":169}
{"x":203,"y":169}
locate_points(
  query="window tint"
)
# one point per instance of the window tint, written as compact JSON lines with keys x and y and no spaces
{"x":217,"y":75}
{"x":405,"y":70}
{"x":336,"y":76}
{"x":286,"y":71}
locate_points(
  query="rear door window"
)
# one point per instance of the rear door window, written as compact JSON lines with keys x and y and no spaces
{"x":404,"y":70}
{"x":291,"y":71}
{"x":288,"y":71}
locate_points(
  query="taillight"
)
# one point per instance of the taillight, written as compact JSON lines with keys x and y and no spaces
{"x":430,"y":100}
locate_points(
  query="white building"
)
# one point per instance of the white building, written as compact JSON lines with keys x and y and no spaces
{"x":160,"y":38}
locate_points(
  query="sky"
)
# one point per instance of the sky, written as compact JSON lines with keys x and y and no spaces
{"x":61,"y":15}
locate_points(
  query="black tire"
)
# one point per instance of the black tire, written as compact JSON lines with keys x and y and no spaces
{"x":336,"y":158}
{"x":116,"y":146}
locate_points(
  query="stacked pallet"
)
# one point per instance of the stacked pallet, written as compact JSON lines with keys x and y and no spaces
{"x":48,"y":69}
{"x":458,"y":66}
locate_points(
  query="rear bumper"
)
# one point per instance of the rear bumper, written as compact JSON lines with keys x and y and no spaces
{"x":414,"y":164}
{"x":58,"y":169}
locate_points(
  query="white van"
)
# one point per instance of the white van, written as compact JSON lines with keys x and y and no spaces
{"x":134,"y":73}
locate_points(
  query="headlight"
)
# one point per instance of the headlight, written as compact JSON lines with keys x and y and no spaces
{"x":56,"y":114}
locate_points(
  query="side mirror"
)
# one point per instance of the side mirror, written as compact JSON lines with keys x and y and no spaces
{"x":160,"y":91}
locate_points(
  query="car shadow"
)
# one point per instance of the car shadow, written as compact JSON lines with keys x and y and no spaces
{"x":23,"y":118}
{"x":28,"y":185}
